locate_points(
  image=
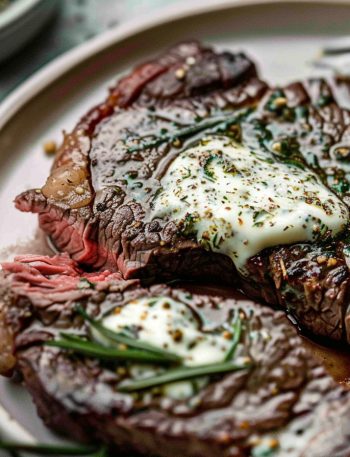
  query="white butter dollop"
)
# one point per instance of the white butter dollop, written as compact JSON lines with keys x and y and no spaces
{"x":239,"y":201}
{"x":171,"y":325}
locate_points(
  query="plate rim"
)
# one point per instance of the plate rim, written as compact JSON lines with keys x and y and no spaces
{"x":49,"y":73}
{"x":53,"y":70}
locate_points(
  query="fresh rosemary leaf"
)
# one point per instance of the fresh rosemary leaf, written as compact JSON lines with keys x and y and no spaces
{"x":81,"y":346}
{"x":220,"y":122}
{"x":294,"y":163}
{"x":180,"y":374}
{"x":124,"y":339}
{"x":236,"y":330}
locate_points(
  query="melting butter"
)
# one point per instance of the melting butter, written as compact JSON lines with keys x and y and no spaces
{"x":170,"y":325}
{"x":239,"y":201}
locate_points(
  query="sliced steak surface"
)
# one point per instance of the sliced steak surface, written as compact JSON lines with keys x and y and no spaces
{"x":284,"y":405}
{"x":97,"y":203}
{"x":51,"y":284}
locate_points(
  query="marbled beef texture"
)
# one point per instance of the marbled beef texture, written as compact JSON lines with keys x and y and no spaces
{"x":286,"y":405}
{"x":96,"y":202}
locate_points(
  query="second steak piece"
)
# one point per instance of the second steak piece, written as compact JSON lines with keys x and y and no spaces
{"x":281,"y":403}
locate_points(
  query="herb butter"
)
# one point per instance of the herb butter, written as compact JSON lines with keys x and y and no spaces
{"x":171,"y":325}
{"x":238,"y":201}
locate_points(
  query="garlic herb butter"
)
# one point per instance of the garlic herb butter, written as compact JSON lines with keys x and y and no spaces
{"x":238,"y":201}
{"x":171,"y":325}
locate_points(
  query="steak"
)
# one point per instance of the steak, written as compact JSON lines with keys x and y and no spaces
{"x":43,"y":280}
{"x":97,"y":203}
{"x":284,"y":404}
{"x":85,"y":206}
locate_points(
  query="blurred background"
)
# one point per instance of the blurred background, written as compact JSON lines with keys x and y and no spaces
{"x":61,"y":24}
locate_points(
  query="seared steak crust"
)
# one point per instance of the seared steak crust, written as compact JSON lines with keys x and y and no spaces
{"x":285,"y":402}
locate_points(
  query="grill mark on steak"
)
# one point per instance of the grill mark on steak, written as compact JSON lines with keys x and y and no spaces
{"x":287,"y":394}
{"x":114,"y":231}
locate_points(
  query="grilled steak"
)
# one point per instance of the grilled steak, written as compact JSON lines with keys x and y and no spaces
{"x":282,"y":404}
{"x":102,"y":225}
{"x":105,"y":202}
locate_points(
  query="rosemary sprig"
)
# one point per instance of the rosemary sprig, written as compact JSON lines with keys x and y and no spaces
{"x":181,"y":374}
{"x":294,"y":163}
{"x":221,"y":122}
{"x":237,"y":330}
{"x":51,"y":449}
{"x":81,"y":346}
{"x":124,"y":339}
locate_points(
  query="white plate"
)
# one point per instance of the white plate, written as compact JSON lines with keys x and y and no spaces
{"x":282,"y":37}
